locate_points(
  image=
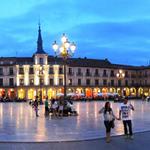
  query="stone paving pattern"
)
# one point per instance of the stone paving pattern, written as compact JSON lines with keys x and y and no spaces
{"x":18,"y":122}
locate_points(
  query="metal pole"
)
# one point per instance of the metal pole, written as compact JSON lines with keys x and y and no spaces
{"x":65,"y":77}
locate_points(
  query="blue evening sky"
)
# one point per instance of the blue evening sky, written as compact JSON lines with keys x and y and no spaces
{"x":115,"y":29}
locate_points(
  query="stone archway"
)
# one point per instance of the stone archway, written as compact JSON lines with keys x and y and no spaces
{"x":112,"y":90}
{"x":96,"y":91}
{"x":21,"y":93}
{"x":126,"y":91}
{"x":51,"y":93}
{"x":133,"y":91}
{"x":140,"y":91}
{"x":88,"y":92}
{"x":31,"y":94}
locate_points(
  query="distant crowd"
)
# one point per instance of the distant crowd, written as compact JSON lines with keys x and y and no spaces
{"x":55,"y":107}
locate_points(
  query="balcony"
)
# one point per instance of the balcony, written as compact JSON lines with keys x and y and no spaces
{"x":105,"y":75}
{"x":112,"y":75}
{"x":96,"y":75}
{"x":145,"y":75}
{"x":1,"y":74}
{"x":61,"y":72}
{"x":127,"y":76}
{"x":79,"y":74}
{"x":51,"y":72}
{"x":70,"y":73}
{"x":88,"y":74}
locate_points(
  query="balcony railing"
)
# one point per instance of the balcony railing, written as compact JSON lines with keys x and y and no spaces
{"x":112,"y":75}
{"x":70,"y":73}
{"x":88,"y":74}
{"x":105,"y":75}
{"x":79,"y":74}
{"x":96,"y":75}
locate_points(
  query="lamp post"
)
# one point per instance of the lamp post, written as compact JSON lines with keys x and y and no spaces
{"x":65,"y":50}
{"x":120,"y":75}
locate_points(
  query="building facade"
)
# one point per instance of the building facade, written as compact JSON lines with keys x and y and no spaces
{"x":42,"y":75}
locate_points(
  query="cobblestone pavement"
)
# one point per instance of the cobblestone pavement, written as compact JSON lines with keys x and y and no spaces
{"x":18,"y":122}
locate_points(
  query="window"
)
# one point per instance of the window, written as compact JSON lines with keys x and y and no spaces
{"x":51,"y":82}
{"x":112,"y":82}
{"x":119,"y":82}
{"x":126,"y":82}
{"x":87,"y":72}
{"x":60,"y":81}
{"x":11,"y":82}
{"x":21,"y":82}
{"x":31,"y":71}
{"x":104,"y":73}
{"x":88,"y":81}
{"x":140,"y":82}
{"x":96,"y":82}
{"x":41,"y":81}
{"x":21,"y":70}
{"x":145,"y":82}
{"x":112,"y":73}
{"x":132,"y":82}
{"x":31,"y":82}
{"x":145,"y":74}
{"x":41,"y":61}
{"x":11,"y":72}
{"x":96,"y":72}
{"x":79,"y":81}
{"x":1,"y":82}
{"x":70,"y":81}
{"x":126,"y":74}
{"x":70,"y":71}
{"x":1,"y":71}
{"x":60,"y":70}
{"x":79,"y":72}
{"x":104,"y":82}
{"x":51,"y":71}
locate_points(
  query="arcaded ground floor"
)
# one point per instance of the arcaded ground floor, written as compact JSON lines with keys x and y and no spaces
{"x":19,"y":123}
{"x":53,"y":92}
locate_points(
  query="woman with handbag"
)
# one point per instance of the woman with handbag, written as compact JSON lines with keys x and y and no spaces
{"x":109,"y":118}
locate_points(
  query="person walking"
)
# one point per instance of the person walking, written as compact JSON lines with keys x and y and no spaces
{"x":46,"y":107}
{"x":109,"y":118}
{"x":125,"y":113}
{"x":36,"y":106}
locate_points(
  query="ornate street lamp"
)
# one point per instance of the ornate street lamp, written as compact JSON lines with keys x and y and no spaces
{"x":65,"y":50}
{"x":120,"y":74}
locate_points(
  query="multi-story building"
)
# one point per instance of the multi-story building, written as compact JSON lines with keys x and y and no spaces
{"x":41,"y":74}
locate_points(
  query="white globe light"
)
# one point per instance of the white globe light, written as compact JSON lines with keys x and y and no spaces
{"x":55,"y":46}
{"x":64,"y":38}
{"x":67,"y":44}
{"x":61,"y":49}
{"x":73,"y":47}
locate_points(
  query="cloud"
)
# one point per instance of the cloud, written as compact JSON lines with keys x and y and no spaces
{"x":100,"y":28}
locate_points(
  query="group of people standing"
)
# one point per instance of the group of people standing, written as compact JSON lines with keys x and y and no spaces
{"x":57,"y":108}
{"x":124,"y":114}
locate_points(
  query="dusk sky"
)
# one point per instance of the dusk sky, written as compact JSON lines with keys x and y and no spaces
{"x":115,"y":29}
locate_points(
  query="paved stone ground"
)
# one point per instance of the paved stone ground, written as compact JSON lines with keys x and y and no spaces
{"x":141,"y":142}
{"x":18,"y":122}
